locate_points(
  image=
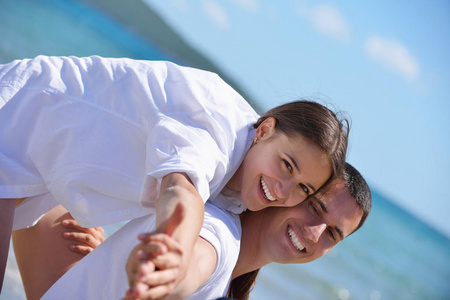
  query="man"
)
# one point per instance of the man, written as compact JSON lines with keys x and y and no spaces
{"x":303,"y":233}
{"x":285,"y":235}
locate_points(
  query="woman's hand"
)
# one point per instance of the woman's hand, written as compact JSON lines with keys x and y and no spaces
{"x":85,"y":239}
{"x":153,"y":267}
{"x":158,"y":274}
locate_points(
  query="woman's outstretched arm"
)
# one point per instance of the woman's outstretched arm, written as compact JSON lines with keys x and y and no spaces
{"x":177,"y":188}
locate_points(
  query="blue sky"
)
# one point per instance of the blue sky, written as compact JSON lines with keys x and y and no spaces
{"x":385,"y":63}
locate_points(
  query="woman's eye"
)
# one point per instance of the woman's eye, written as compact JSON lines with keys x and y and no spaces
{"x":288,"y":165}
{"x":305,"y":189}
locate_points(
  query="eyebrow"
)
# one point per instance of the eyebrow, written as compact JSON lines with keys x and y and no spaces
{"x":339,"y":231}
{"x":294,"y":162}
{"x":325,"y":210}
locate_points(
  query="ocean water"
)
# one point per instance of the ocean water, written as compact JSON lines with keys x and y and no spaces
{"x":55,"y":27}
{"x":394,"y":256}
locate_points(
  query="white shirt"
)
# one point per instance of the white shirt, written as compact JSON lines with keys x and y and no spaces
{"x":110,"y":129}
{"x":101,"y":274}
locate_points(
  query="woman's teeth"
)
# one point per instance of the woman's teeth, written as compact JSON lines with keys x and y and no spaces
{"x":267,"y":193}
{"x":294,"y":240}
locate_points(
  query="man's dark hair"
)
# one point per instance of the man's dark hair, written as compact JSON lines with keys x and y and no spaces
{"x":359,"y":190}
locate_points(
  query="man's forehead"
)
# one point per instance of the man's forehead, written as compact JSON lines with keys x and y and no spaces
{"x":342,"y":209}
{"x":333,"y":193}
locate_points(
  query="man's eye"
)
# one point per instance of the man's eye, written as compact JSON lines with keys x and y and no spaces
{"x":314,"y":208}
{"x":331,"y":234}
{"x":288,"y":165}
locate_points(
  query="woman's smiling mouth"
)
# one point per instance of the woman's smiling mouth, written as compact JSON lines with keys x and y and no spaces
{"x":266,"y":191}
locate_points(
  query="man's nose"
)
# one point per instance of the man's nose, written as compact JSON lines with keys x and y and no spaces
{"x":314,"y":232}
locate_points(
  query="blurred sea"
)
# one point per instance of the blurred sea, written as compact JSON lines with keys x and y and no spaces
{"x":394,"y":256}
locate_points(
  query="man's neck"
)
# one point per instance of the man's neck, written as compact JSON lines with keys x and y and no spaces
{"x":251,"y":257}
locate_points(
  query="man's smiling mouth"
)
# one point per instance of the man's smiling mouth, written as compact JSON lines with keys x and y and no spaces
{"x":294,"y":240}
{"x":266,"y":191}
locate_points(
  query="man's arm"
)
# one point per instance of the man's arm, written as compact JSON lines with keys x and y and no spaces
{"x":201,"y":268}
{"x":43,"y":254}
{"x":7,"y":207}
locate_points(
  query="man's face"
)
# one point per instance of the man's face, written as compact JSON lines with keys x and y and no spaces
{"x":312,"y":228}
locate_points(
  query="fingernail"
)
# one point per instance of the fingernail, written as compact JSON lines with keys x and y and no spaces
{"x":142,"y":236}
{"x":66,"y":234}
{"x":72,"y":246}
{"x":142,"y":255}
{"x":65,"y":222}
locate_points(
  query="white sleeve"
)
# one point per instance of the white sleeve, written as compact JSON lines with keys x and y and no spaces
{"x":223,"y":231}
{"x":200,"y":127}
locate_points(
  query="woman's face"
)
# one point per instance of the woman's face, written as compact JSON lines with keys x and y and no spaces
{"x":309,"y":230}
{"x":279,"y":170}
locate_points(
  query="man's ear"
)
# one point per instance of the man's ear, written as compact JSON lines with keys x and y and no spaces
{"x":266,"y":129}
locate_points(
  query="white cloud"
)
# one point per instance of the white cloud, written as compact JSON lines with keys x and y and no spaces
{"x":326,"y":19}
{"x":329,"y":21}
{"x":393,"y":55}
{"x":216,"y":14}
{"x":249,"y":5}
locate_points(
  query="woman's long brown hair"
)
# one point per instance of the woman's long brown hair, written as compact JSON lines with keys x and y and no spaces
{"x":241,"y":286}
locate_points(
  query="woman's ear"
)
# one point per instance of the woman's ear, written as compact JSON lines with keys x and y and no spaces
{"x":266,"y":129}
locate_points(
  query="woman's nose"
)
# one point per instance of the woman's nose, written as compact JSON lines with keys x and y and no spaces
{"x":284,"y":189}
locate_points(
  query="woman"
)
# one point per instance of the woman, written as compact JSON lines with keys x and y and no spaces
{"x":140,"y":137}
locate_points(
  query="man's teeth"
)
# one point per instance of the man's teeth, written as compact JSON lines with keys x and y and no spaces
{"x":294,"y":240}
{"x":267,"y":193}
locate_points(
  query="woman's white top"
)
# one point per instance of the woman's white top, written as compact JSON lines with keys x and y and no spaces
{"x":101,"y":274}
{"x":98,"y":134}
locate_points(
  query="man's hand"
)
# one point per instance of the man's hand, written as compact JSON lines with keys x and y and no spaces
{"x":86,"y":239}
{"x":153,"y":267}
{"x":157,"y":265}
